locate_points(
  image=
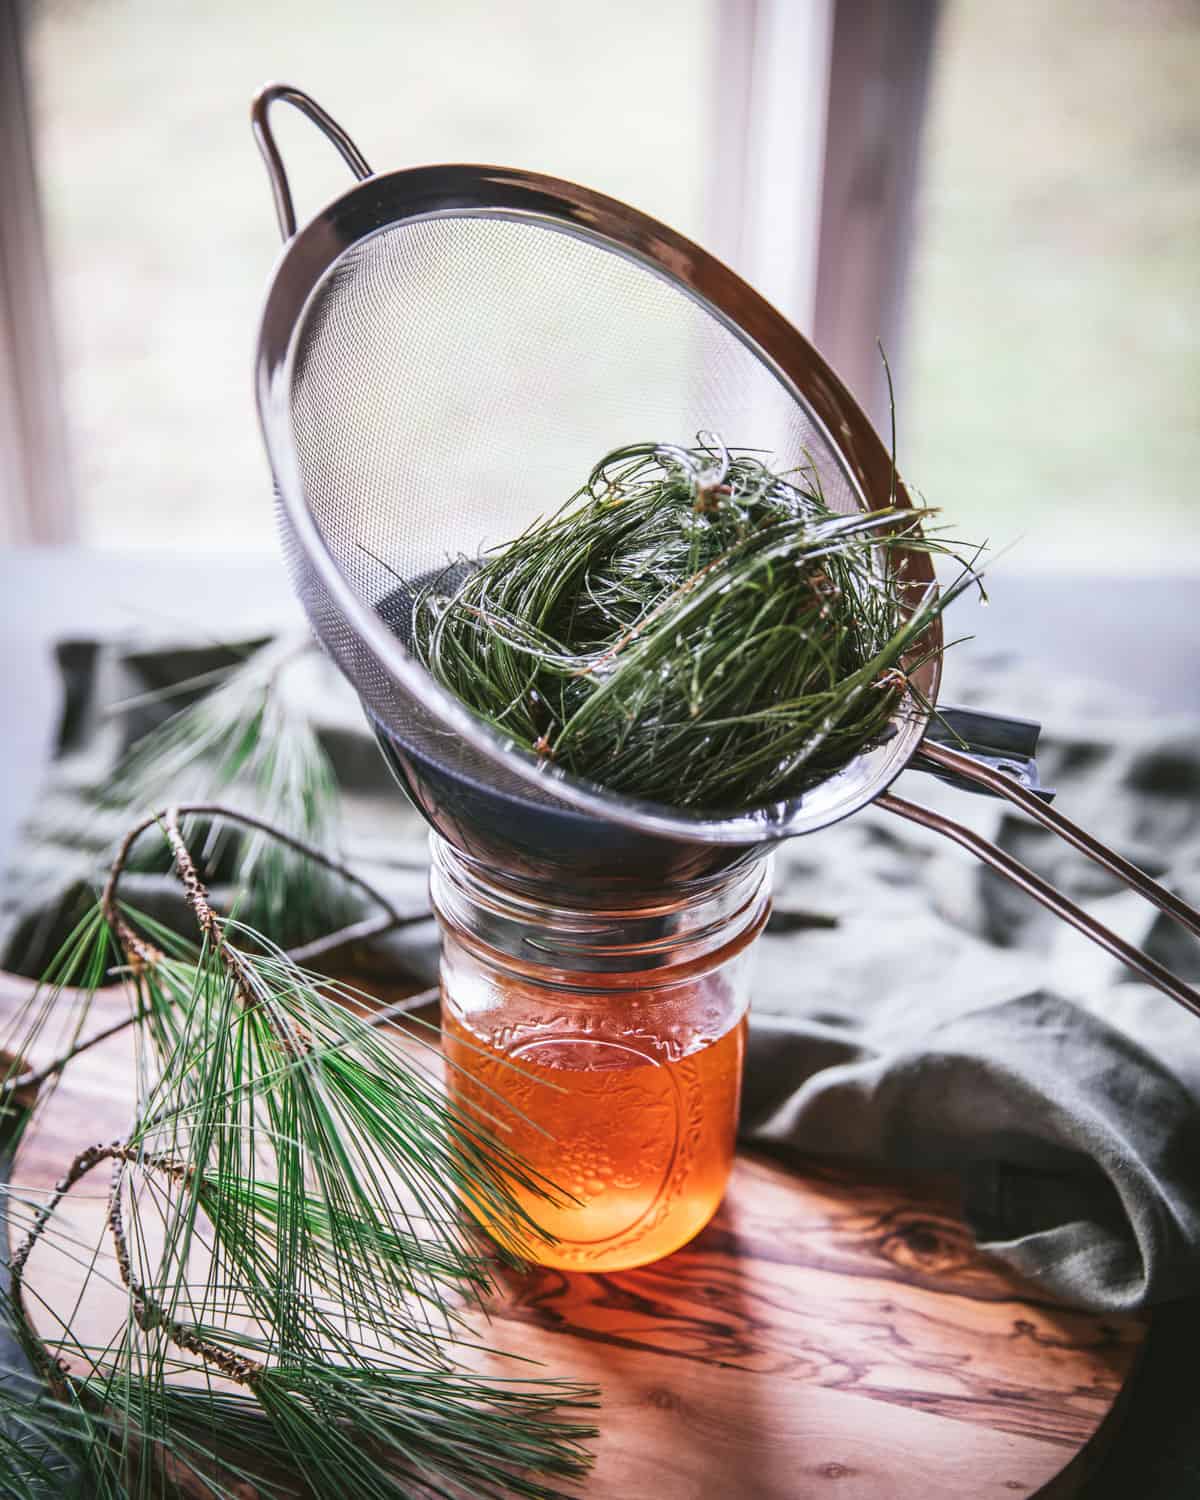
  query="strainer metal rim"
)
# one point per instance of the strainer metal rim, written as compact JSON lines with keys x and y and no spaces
{"x":381,"y":203}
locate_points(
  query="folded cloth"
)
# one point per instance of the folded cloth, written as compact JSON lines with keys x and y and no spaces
{"x":910,"y":1008}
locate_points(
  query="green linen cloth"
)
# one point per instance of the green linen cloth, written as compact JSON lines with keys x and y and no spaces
{"x":910,"y":1009}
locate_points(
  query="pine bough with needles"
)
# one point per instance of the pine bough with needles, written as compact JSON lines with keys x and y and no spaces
{"x":285,"y":1220}
{"x":244,"y":743}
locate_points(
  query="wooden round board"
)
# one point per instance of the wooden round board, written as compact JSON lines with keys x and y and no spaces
{"x":832,"y":1333}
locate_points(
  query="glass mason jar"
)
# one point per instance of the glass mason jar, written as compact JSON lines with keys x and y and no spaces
{"x":625,"y":1026}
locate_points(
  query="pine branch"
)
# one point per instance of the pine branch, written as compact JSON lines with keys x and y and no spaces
{"x":142,"y":952}
{"x":243,"y":742}
{"x":329,"y":1174}
{"x":248,"y":743}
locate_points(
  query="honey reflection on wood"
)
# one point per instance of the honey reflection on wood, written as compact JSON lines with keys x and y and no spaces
{"x":804,"y":1295}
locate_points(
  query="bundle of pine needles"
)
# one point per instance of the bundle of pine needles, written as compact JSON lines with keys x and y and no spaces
{"x":690,"y":628}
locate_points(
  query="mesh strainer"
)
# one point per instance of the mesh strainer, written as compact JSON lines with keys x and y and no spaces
{"x":444,"y":352}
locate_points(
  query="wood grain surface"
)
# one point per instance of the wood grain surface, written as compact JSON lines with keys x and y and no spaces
{"x":832,"y":1333}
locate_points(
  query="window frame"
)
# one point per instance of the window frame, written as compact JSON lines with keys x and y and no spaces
{"x":37,"y":498}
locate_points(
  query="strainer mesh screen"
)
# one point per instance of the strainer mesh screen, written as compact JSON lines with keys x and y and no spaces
{"x":457,"y":376}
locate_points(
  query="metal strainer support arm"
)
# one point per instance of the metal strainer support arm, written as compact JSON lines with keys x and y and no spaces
{"x":968,"y":767}
{"x":1041,"y":890}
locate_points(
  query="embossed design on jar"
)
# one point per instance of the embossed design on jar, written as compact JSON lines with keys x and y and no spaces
{"x":618,"y":1175}
{"x":641,"y":1143}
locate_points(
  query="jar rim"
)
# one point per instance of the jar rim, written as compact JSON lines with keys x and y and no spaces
{"x":660,"y":932}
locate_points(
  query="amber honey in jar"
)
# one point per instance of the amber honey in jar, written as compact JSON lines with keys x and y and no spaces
{"x":603,"y":1044}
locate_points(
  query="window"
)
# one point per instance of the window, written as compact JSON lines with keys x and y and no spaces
{"x":161,"y":230}
{"x":1051,"y":393}
{"x":1049,"y":357}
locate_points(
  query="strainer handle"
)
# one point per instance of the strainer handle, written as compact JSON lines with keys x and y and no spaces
{"x":285,"y":210}
{"x":945,"y":759}
{"x":1008,"y":787}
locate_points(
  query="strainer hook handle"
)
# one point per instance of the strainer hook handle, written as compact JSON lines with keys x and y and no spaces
{"x":281,"y":190}
{"x":943,"y":759}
